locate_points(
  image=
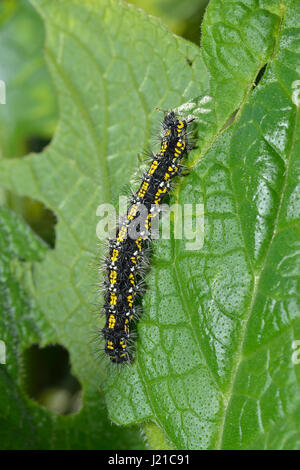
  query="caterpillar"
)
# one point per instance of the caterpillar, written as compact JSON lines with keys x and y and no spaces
{"x":127,"y":250}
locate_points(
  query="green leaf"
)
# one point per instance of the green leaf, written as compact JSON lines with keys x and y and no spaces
{"x":213,"y":365}
{"x":24,"y":424}
{"x":28,"y":117}
{"x":183,"y":17}
{"x":30,"y":109}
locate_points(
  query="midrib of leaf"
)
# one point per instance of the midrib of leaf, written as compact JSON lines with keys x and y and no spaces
{"x":187,"y":310}
{"x":201,"y":155}
{"x":248,"y":92}
{"x":257,"y":274}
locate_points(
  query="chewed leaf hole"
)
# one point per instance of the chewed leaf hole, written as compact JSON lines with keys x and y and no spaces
{"x":40,"y":218}
{"x":230,"y":120}
{"x":260,"y":75}
{"x":48,"y":379}
{"x":36,"y":144}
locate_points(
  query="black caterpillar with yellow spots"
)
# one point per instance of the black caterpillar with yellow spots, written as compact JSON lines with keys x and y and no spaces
{"x":127,"y":251}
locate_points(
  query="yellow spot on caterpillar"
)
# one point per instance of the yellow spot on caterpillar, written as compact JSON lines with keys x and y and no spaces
{"x":148,"y":221}
{"x":131,"y":279}
{"x":113,"y":299}
{"x":126,"y":326}
{"x":153,"y":167}
{"x":163,"y":147}
{"x":180,"y":125}
{"x":132,"y":212}
{"x":130,"y":300}
{"x":158,"y":195}
{"x":113,"y":276}
{"x":122,"y":234}
{"x":138,"y":243}
{"x":115,"y":255}
{"x":111,"y":321}
{"x":143,"y":189}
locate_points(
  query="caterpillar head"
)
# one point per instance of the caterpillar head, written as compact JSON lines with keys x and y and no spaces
{"x":172,"y":126}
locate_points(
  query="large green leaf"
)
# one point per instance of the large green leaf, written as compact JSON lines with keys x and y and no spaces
{"x":30,"y":109}
{"x":24,"y":424}
{"x":28,"y":118}
{"x":181,"y":16}
{"x":213,"y":365}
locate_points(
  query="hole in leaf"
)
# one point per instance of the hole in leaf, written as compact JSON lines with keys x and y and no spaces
{"x":259,"y":76}
{"x":36,"y":144}
{"x":230,"y":120}
{"x":48,"y":379}
{"x":190,"y":23}
{"x":41,"y":219}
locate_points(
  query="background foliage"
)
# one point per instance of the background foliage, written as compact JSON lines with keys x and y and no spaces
{"x":213,"y":364}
